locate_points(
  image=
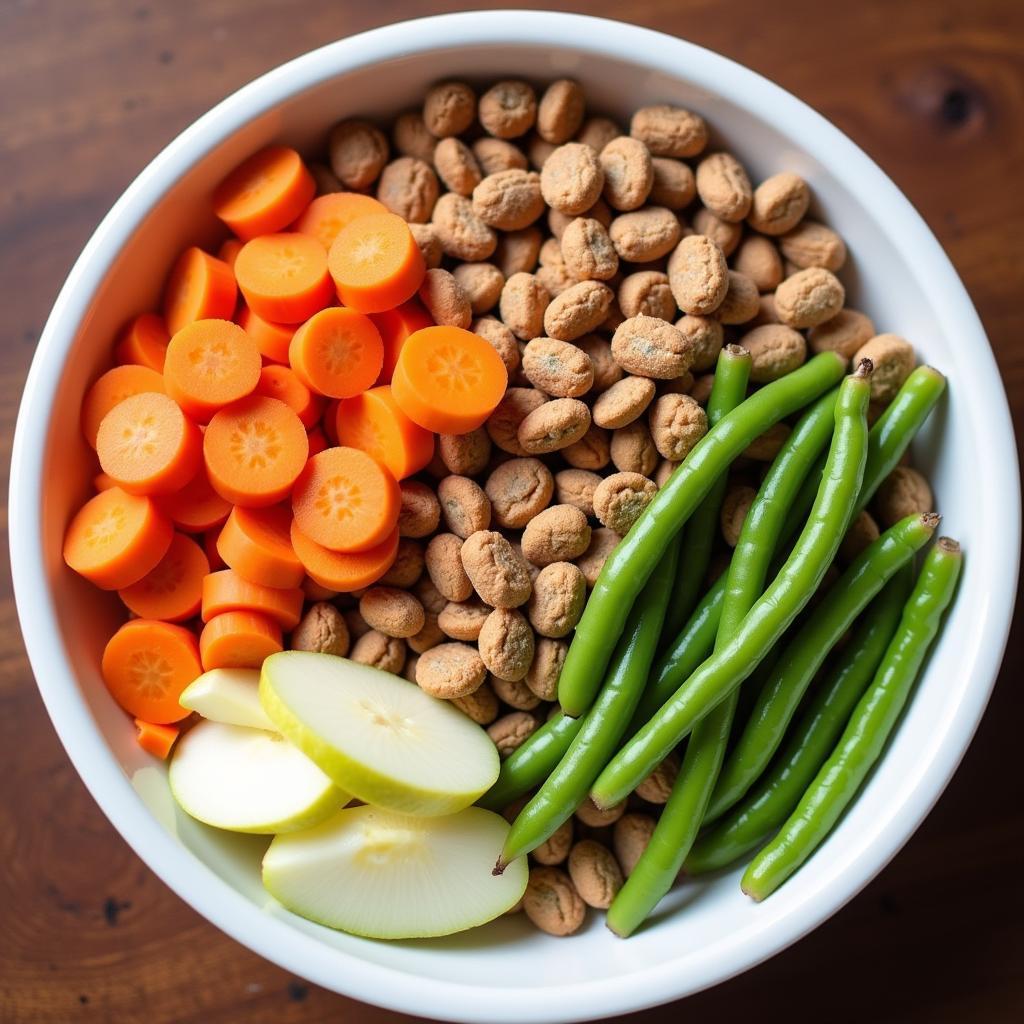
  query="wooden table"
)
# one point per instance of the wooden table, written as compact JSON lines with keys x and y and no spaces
{"x":92,"y":89}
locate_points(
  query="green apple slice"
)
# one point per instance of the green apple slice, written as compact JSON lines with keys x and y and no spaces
{"x":383,"y":875}
{"x":379,"y":737}
{"x":229,"y":695}
{"x":249,"y":780}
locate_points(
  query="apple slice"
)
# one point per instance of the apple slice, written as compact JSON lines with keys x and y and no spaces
{"x":249,"y":780}
{"x":229,"y":695}
{"x":377,"y":736}
{"x":383,"y":875}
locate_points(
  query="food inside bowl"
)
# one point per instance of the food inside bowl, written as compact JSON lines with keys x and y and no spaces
{"x":538,"y":481}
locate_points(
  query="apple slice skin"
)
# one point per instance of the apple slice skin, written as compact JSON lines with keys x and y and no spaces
{"x":315,"y":873}
{"x":202,"y":751}
{"x":364,"y":781}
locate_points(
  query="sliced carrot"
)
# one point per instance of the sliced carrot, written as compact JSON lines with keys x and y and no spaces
{"x":116,"y":538}
{"x":313,"y":590}
{"x":200,"y":287}
{"x":326,"y":215}
{"x":254,"y":450}
{"x":271,"y":339}
{"x":148,"y":445}
{"x":113,"y":388}
{"x":173,"y":590}
{"x":156,"y":739}
{"x":373,"y":423}
{"x":226,"y":591}
{"x":197,"y":507}
{"x":345,"y":500}
{"x":283,"y":383}
{"x":448,"y":380}
{"x":284,"y":277}
{"x":146,"y":665}
{"x":239,"y":640}
{"x":395,"y":325}
{"x":340,"y":572}
{"x":329,"y":423}
{"x":229,"y":250}
{"x":256,"y":543}
{"x":376,"y":263}
{"x":264,"y":193}
{"x":337,"y":352}
{"x":210,"y":539}
{"x":102,"y":482}
{"x":317,"y":441}
{"x":210,"y":364}
{"x":143,"y":341}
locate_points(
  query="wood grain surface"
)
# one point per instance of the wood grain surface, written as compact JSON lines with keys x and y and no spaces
{"x":90,"y":90}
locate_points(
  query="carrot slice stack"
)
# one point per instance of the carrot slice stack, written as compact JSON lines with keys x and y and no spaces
{"x":113,"y":388}
{"x":256,"y":543}
{"x":201,"y":287}
{"x":239,"y":640}
{"x":339,"y":572}
{"x":226,"y":591}
{"x":173,"y":589}
{"x":143,"y":342}
{"x":373,"y":423}
{"x":395,"y":326}
{"x":324,"y":218}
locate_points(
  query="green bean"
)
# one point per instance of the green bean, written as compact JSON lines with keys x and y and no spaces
{"x":771,"y":614}
{"x":728,"y":390}
{"x":532,"y":763}
{"x":768,"y":805}
{"x":865,"y":736}
{"x":632,"y":562}
{"x":602,"y":728}
{"x":803,"y":656}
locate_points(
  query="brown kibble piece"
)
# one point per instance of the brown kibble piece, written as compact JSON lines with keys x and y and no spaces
{"x":595,"y":817}
{"x":501,"y":339}
{"x":560,"y":111}
{"x":496,"y":570}
{"x":862,"y":533}
{"x":766,"y":446}
{"x":519,"y":489}
{"x":845,"y":333}
{"x":633,"y":449}
{"x":554,"y":425}
{"x":556,"y":604}
{"x":431,"y":598}
{"x":597,"y":132}
{"x":698,"y":275}
{"x":705,"y":337}
{"x":429,"y":243}
{"x":665,"y":469}
{"x":456,"y":166}
{"x":325,"y":178}
{"x":506,"y":648}
{"x":606,"y":370}
{"x":508,"y":109}
{"x":559,"y":533}
{"x":646,"y":292}
{"x":464,"y":505}
{"x":555,"y":278}
{"x":620,"y":499}
{"x":735,"y":505}
{"x":465,"y":454}
{"x":780,"y":203}
{"x":576,"y":487}
{"x":552,"y":903}
{"x":445,"y":300}
{"x":444,"y":566}
{"x":358,"y":153}
{"x":809,"y":297}
{"x":509,"y":200}
{"x":723,"y":186}
{"x":495,"y":155}
{"x":448,"y":109}
{"x":429,"y":636}
{"x":623,"y":402}
{"x":511,"y":731}
{"x":409,"y":188}
{"x":391,"y":611}
{"x":481,"y":283}
{"x":587,"y":250}
{"x":602,"y":543}
{"x":904,"y":492}
{"x":410,"y":137}
{"x":321,"y":629}
{"x":677,"y":423}
{"x":701,"y":390}
{"x":548,"y":659}
{"x":592,"y":451}
{"x":387,"y":653}
{"x":407,"y":567}
{"x":538,"y":150}
{"x":893,"y":360}
{"x":481,"y":705}
{"x":555,"y":849}
{"x":450,"y":670}
{"x":775,"y":350}
{"x":649,"y":347}
{"x":595,"y":872}
{"x":630,"y":836}
{"x":522,"y":305}
{"x":464,"y":236}
{"x":766,"y":311}
{"x":557,"y":368}
{"x":503,"y":424}
{"x":811,"y":244}
{"x":645,"y":235}
{"x":463,"y":620}
{"x":758,"y":258}
{"x":628,"y":173}
{"x":356,"y":624}
{"x":741,"y":301}
{"x":669,"y":131}
{"x":571,"y":179}
{"x":674,"y":184}
{"x":723,"y":233}
{"x":420,"y":512}
{"x":657,"y":787}
{"x":517,"y":251}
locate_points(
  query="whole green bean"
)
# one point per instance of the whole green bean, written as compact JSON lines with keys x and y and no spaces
{"x":865,"y":736}
{"x":777,"y":792}
{"x":778,"y":700}
{"x":595,"y":742}
{"x":632,"y":562}
{"x":532,"y":763}
{"x":728,"y":390}
{"x":771,"y":614}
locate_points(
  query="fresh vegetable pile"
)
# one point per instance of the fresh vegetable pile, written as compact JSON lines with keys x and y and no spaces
{"x":378,"y":431}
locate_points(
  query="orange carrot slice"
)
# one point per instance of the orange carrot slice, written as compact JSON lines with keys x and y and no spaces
{"x":340,"y":572}
{"x":337,"y":352}
{"x":147,"y":664}
{"x":210,"y":364}
{"x":376,"y":263}
{"x":326,"y":215}
{"x":283,"y":383}
{"x":116,"y":538}
{"x":172,"y":591}
{"x":284,"y":277}
{"x":226,"y":591}
{"x":254,"y":450}
{"x":210,"y":539}
{"x":271,"y":339}
{"x":229,"y":250}
{"x":239,"y":640}
{"x":395,"y":325}
{"x":156,"y":739}
{"x":113,"y":388}
{"x":256,"y":543}
{"x":102,"y":482}
{"x":448,"y":380}
{"x":345,"y":500}
{"x":143,"y":341}
{"x":373,"y":423}
{"x":264,"y":193}
{"x":200,"y":287}
{"x":197,"y":507}
{"x":148,"y":445}
{"x":317,"y":441}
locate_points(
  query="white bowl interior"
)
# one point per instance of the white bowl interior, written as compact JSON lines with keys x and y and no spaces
{"x":706,"y":931}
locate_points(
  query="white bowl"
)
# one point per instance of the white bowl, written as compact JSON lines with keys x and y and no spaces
{"x":897,"y":273}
